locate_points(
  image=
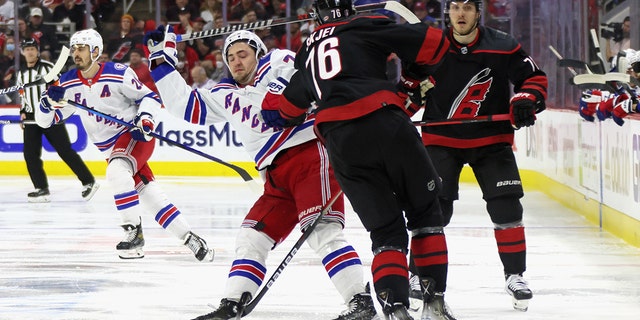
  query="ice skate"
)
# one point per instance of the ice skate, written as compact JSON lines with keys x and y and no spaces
{"x":415,"y":292}
{"x":131,"y":246}
{"x":518,"y":288}
{"x":199,"y":247}
{"x":392,"y":310}
{"x":434,"y":307}
{"x":40,"y":195}
{"x":89,"y":189}
{"x":360,"y":307}
{"x":228,"y":309}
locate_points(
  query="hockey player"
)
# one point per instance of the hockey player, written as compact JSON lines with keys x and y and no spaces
{"x":614,"y":104}
{"x":375,"y":151}
{"x":114,"y":88}
{"x":299,"y":180}
{"x":474,"y":80}
{"x":33,"y":68}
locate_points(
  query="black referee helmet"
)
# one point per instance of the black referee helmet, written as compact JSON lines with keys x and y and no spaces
{"x":29,"y":42}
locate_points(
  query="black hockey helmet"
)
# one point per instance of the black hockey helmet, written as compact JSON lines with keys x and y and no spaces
{"x":478,"y":4}
{"x":29,"y":42}
{"x":331,"y":10}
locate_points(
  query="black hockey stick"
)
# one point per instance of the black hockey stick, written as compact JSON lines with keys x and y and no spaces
{"x":487,"y":118}
{"x":574,"y":64}
{"x":389,"y":5}
{"x":243,"y":173}
{"x":251,"y":305}
{"x":559,"y":56}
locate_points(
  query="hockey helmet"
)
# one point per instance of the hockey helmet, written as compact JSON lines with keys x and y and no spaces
{"x":478,"y":4}
{"x":246,"y":36}
{"x":330,"y":10}
{"x":29,"y":42}
{"x":88,"y":37}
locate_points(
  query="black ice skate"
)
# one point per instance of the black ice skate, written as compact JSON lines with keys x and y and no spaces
{"x":434,"y":307}
{"x":392,"y":310}
{"x":518,"y":288}
{"x":360,"y":307}
{"x":88,"y":190}
{"x":199,"y":247}
{"x":40,"y":195}
{"x":228,"y":309}
{"x":131,"y":246}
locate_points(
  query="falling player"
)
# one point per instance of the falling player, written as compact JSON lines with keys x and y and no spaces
{"x":299,"y":180}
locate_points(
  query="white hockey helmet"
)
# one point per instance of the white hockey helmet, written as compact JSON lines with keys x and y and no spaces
{"x":89,"y":37}
{"x":246,"y":36}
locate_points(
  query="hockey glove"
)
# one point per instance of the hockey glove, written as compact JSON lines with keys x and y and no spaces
{"x":589,"y":104}
{"x":410,"y":91}
{"x":53,"y":98}
{"x":273,"y":118}
{"x":523,"y":110}
{"x":144,"y":126}
{"x":617,"y":108}
{"x":162,"y":45}
{"x":271,"y":101}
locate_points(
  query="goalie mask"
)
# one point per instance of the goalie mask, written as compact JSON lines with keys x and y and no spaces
{"x":90,"y":38}
{"x":245,"y":36}
{"x":331,"y":10}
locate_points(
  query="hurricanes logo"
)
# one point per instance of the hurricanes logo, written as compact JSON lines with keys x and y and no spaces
{"x":468,"y":102}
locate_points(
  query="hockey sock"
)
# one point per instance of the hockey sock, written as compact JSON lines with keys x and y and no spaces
{"x":390,"y":271}
{"x":430,"y":257}
{"x":512,"y":249}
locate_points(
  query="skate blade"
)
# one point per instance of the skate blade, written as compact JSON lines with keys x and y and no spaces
{"x":521,"y":305}
{"x":415,"y":304}
{"x":41,"y":199}
{"x":95,"y":188}
{"x":131,"y":254}
{"x":210,"y":255}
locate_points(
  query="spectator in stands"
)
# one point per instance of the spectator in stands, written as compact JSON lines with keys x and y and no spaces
{"x":44,"y":34}
{"x":216,"y":70}
{"x":200,"y":79}
{"x":22,"y":29}
{"x":240,"y":9}
{"x":422,"y":12}
{"x":187,"y":59}
{"x":209,"y":10}
{"x":172,"y":10}
{"x":434,"y":9}
{"x":7,"y":14}
{"x":25,"y":10}
{"x":184,"y":21}
{"x":69,"y":11}
{"x":202,"y":46}
{"x":141,"y":68}
{"x":119,"y":46}
{"x":296,"y":38}
{"x":104,"y":57}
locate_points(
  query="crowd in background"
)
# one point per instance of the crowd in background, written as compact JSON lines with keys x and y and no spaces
{"x":49,"y":22}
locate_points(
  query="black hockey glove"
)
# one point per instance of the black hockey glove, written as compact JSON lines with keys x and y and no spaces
{"x":410,"y":91}
{"x":523,"y":110}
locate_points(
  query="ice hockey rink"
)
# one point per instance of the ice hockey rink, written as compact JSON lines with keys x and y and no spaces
{"x":58,"y":260}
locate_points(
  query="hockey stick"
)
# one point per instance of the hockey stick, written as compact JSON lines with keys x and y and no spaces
{"x":487,"y":118}
{"x":596,"y":45}
{"x":585,"y":79}
{"x":47,"y":78}
{"x":9,"y":121}
{"x":574,"y":64}
{"x":243,"y":173}
{"x":251,"y":305}
{"x":559,"y":56}
{"x":392,"y":6}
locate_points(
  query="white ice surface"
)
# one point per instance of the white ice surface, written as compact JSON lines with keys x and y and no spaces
{"x":58,"y":260}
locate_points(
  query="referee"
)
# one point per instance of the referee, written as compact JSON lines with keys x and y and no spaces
{"x":32,"y":69}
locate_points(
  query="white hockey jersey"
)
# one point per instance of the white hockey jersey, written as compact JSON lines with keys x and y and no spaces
{"x":240,"y":106}
{"x":115,"y":90}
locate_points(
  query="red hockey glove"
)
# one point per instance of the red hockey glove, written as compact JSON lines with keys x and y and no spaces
{"x":617,"y":108}
{"x":522,"y":110}
{"x":589,"y":104}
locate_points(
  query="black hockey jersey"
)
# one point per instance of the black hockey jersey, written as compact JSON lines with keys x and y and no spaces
{"x":342,"y":65}
{"x":473,"y":80}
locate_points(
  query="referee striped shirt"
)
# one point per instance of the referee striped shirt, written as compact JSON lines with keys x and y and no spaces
{"x":32,"y":94}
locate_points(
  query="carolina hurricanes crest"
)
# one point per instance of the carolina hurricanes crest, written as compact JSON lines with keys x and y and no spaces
{"x":468,"y":102}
